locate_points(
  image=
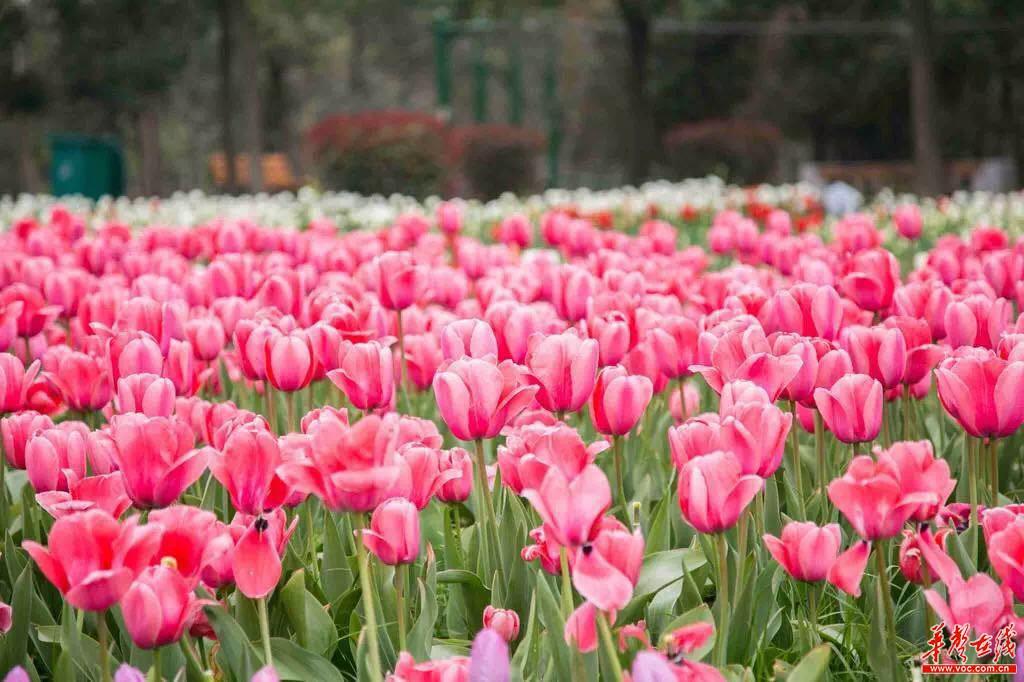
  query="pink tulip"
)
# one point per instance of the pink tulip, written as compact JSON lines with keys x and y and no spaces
{"x":158,"y":607}
{"x":914,"y":465}
{"x":756,"y":434}
{"x":155,"y":456}
{"x":14,"y":382}
{"x":246,"y":467}
{"x":56,"y":458}
{"x":256,"y":560}
{"x":477,"y":398}
{"x":675,"y":345}
{"x":187,"y":534}
{"x":852,"y":408}
{"x":35,"y":315}
{"x":848,"y":570}
{"x":83,"y":382}
{"x":871,"y":279}
{"x":912,"y":562}
{"x":879,"y":352}
{"x":805,"y":550}
{"x":207,"y":336}
{"x":422,"y":358}
{"x":397,"y":280}
{"x":456,"y":488}
{"x":619,"y":400}
{"x":471,"y":337}
{"x":503,"y":621}
{"x":251,"y":342}
{"x":514,"y":230}
{"x":908,"y":221}
{"x":133,"y":353}
{"x":92,"y":559}
{"x":1006,"y":554}
{"x":366,"y":374}
{"x":531,"y":450}
{"x":148,"y":394}
{"x":454,"y":669}
{"x":564,"y":368}
{"x":105,"y":492}
{"x":982,"y":393}
{"x":713,"y":491}
{"x":697,"y":436}
{"x":581,"y":628}
{"x":17,"y":429}
{"x":423,"y":476}
{"x":350,"y":468}
{"x":571,"y":508}
{"x":289,"y":361}
{"x":747,"y":355}
{"x":513,"y":324}
{"x":606,"y":569}
{"x":872,"y":499}
{"x":394,"y":533}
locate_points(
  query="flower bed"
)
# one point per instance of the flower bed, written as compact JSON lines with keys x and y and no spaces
{"x":680,"y":432}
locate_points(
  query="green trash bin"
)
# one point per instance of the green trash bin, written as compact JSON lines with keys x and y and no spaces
{"x":84,"y":165}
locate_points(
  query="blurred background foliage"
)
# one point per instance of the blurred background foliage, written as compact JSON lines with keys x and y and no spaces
{"x":525,"y":93}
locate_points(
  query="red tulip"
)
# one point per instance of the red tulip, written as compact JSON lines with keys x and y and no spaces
{"x":852,"y":408}
{"x":155,"y":456}
{"x":92,"y":559}
{"x":158,"y":607}
{"x":713,"y":491}
{"x":477,"y":398}
{"x":366,"y":374}
{"x":619,"y":400}
{"x":564,"y":368}
{"x":394,"y":533}
{"x":912,"y":563}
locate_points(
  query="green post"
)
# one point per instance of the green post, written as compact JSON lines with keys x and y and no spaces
{"x":514,"y":79}
{"x":443,"y":61}
{"x":554,"y":114}
{"x":479,"y":80}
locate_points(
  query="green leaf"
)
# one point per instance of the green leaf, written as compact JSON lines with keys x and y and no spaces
{"x":812,"y":666}
{"x":660,"y":570}
{"x":15,"y":642}
{"x":554,"y":624}
{"x":335,"y":572}
{"x":525,"y":657}
{"x":477,"y":595}
{"x":421,"y":635}
{"x":292,"y":662}
{"x":313,"y":626}
{"x":236,"y":651}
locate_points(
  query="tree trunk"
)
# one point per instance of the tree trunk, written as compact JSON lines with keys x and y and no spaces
{"x":251,"y":100}
{"x":149,"y":151}
{"x":226,"y":17}
{"x":927,"y":157}
{"x":641,"y":124}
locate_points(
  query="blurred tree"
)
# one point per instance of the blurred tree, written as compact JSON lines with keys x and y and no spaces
{"x":22,"y":94}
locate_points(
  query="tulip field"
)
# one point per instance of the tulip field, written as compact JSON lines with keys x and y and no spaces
{"x":669,"y":433}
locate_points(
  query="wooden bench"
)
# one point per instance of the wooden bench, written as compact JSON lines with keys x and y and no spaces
{"x":277,"y":171}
